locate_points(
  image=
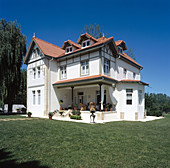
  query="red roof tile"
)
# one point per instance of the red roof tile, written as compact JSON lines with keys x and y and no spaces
{"x":81,"y":49}
{"x":132,"y":80}
{"x":83,"y":78}
{"x":129,"y":58}
{"x":48,"y":48}
{"x":86,"y":34}
{"x":97,"y":76}
{"x":71,"y":43}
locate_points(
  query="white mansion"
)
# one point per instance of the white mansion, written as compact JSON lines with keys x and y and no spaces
{"x":91,"y":70}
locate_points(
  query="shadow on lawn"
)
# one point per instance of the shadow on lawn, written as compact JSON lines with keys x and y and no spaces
{"x":6,"y":161}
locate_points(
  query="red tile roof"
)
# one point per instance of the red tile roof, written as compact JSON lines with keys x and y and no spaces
{"x":129,"y":58}
{"x":71,"y":43}
{"x":121,"y":42}
{"x":56,"y":52}
{"x":48,"y":48}
{"x":81,"y":49}
{"x":97,"y":76}
{"x":132,"y":80}
{"x":86,"y":34}
{"x":84,"y":78}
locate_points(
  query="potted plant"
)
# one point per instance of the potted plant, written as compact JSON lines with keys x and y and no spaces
{"x":50,"y":114}
{"x":61,"y":102}
{"x":61,"y":112}
{"x":110,"y":106}
{"x":75,"y":106}
{"x":106,"y":107}
{"x":29,"y":114}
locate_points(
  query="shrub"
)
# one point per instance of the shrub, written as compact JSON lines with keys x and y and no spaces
{"x":75,"y":117}
{"x":74,"y":112}
{"x":156,"y":113}
{"x":78,"y":112}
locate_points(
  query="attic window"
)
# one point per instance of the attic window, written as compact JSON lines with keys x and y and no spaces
{"x":120,"y":50}
{"x":69,"y":49}
{"x":86,"y":43}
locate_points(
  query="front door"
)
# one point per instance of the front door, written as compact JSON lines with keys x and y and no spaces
{"x":80,"y":98}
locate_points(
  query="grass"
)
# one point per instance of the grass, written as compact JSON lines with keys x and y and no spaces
{"x":44,"y":143}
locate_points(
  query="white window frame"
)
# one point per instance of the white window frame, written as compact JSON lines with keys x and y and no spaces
{"x":39,"y":96}
{"x":120,"y":49}
{"x":39,"y":71}
{"x":124,"y":73}
{"x":70,"y":48}
{"x":85,"y":42}
{"x":106,"y":66}
{"x":129,"y":95}
{"x":85,"y":65}
{"x":34,"y":73}
{"x":63,"y":72}
{"x":33,"y":97}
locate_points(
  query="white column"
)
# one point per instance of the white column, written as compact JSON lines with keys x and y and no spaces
{"x":102,"y":96}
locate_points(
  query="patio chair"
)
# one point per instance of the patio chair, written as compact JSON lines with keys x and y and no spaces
{"x":92,"y":106}
{"x":83,"y":107}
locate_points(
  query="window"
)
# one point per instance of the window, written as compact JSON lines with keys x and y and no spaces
{"x":84,"y":67}
{"x":33,"y":94}
{"x":34,"y":54}
{"x":120,"y":50}
{"x":34,"y":72}
{"x":85,"y":43}
{"x":129,"y":96}
{"x":39,"y":96}
{"x":124,"y":72}
{"x":140,"y":97}
{"x":134,"y":75}
{"x":63,"y":72}
{"x":106,"y":66}
{"x":69,"y":49}
{"x":38,"y":68}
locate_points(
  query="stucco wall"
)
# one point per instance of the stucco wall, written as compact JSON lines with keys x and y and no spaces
{"x":129,"y":110}
{"x":130,"y":69}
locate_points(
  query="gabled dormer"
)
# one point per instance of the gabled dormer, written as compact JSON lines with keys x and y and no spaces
{"x":70,"y":46}
{"x":86,"y":40}
{"x":121,"y":46}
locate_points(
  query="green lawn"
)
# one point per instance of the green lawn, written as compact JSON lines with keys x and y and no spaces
{"x":43,"y":143}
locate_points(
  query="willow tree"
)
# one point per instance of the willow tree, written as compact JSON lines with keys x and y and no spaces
{"x":12,"y":50}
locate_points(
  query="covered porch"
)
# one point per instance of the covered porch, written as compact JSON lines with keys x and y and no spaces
{"x":98,"y":89}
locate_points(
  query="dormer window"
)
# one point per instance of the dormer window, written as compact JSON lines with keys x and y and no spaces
{"x":69,"y":49}
{"x":86,"y":43}
{"x":120,"y":50}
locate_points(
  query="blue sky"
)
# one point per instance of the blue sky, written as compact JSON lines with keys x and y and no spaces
{"x":143,"y":24}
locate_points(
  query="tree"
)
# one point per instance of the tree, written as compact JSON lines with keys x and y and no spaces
{"x":20,"y":97}
{"x":12,"y":50}
{"x":94,"y":30}
{"x":156,"y":104}
{"x":130,"y":53}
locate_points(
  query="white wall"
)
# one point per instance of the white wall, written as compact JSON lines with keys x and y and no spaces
{"x":73,"y":65}
{"x":129,"y":110}
{"x":35,"y":84}
{"x":37,"y":109}
{"x":130,"y":69}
